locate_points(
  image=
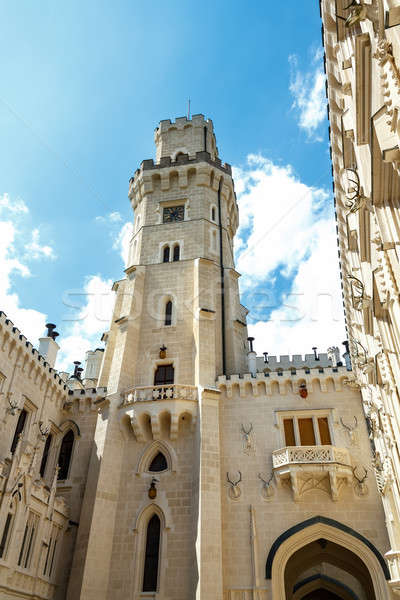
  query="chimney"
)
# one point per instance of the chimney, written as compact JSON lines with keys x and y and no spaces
{"x":252,"y":358}
{"x":48,"y":346}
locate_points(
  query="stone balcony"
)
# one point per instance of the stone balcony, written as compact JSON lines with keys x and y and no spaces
{"x":159,"y":411}
{"x":306,"y":468}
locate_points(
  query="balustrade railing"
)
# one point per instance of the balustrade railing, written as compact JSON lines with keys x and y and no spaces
{"x":310,"y":454}
{"x":173,"y":391}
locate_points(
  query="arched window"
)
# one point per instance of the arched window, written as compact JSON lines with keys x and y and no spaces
{"x":64,"y":458}
{"x":166,"y":254}
{"x":150,"y":574}
{"x":168,"y":313}
{"x":159,"y":463}
{"x":45,"y":455}
{"x":19,"y":429}
{"x":164,"y":375}
{"x":213,"y":213}
{"x":176,"y":252}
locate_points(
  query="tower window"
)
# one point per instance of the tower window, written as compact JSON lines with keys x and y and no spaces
{"x":64,"y":458}
{"x":176,"y":252}
{"x":164,"y":375}
{"x":150,"y":575}
{"x":159,"y":463}
{"x":19,"y":429}
{"x":45,"y":455}
{"x":213,"y":214}
{"x":166,"y":254}
{"x":168,"y":313}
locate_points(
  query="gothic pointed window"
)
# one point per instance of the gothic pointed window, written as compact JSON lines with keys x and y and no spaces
{"x":159,"y":463}
{"x":168,"y":313}
{"x":19,"y":429}
{"x":64,"y":458}
{"x":164,"y":375}
{"x":176,"y":253}
{"x":45,"y":455}
{"x":150,"y":574}
{"x":166,"y":254}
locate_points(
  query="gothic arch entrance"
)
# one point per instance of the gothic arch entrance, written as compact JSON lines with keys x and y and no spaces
{"x":322,"y":559}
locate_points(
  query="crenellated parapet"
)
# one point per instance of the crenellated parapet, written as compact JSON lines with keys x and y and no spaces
{"x":286,"y":382}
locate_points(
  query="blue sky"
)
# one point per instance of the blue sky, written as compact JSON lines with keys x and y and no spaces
{"x":83,"y":87}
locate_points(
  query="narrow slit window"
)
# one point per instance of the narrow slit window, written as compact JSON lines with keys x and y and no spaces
{"x":176,"y":253}
{"x":168,"y":313}
{"x":5,"y":536}
{"x":19,"y":429}
{"x":64,"y":458}
{"x":45,"y":455}
{"x":213,"y":214}
{"x":150,"y":574}
{"x":166,"y":254}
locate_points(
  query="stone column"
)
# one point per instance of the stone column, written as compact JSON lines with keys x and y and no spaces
{"x":209,"y":533}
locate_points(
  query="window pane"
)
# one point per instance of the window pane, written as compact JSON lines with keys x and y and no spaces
{"x":166,"y":254}
{"x":176,"y":253}
{"x":164,"y":375}
{"x":19,"y":429}
{"x":158,"y":463}
{"x":289,"y":432}
{"x":5,"y":534}
{"x":324,"y":431}
{"x":64,"y":457}
{"x":150,"y":574}
{"x":168,"y":313}
{"x":45,"y":455}
{"x":306,"y":430}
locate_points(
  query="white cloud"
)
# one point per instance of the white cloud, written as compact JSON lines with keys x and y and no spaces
{"x":113,"y":217}
{"x":90,"y":311}
{"x":308,"y":90}
{"x":123,"y":239}
{"x":285,"y":230}
{"x":35,"y":250}
{"x":31,"y":322}
{"x":13,"y":206}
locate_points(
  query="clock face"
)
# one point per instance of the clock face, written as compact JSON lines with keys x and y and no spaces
{"x":173,"y":213}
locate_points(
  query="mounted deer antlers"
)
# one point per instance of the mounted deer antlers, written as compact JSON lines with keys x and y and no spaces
{"x":350,"y":428}
{"x":246,"y":437}
{"x":354,"y":195}
{"x":13,"y":406}
{"x":360,"y":487}
{"x":267,"y":489}
{"x":44,"y":431}
{"x":234,"y":489}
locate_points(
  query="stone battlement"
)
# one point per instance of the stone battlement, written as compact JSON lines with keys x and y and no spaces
{"x":296,"y":361}
{"x":181,"y":122}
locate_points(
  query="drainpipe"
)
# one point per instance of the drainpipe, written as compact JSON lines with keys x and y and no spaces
{"x":221,"y":266}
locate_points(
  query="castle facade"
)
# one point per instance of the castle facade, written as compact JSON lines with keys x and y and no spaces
{"x":179,"y":465}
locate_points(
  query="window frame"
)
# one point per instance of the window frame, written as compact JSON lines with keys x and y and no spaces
{"x":315,"y":414}
{"x":5,"y":536}
{"x":28,"y":542}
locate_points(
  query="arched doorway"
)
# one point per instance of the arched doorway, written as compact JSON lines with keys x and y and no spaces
{"x":324,"y":570}
{"x":325,"y":559}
